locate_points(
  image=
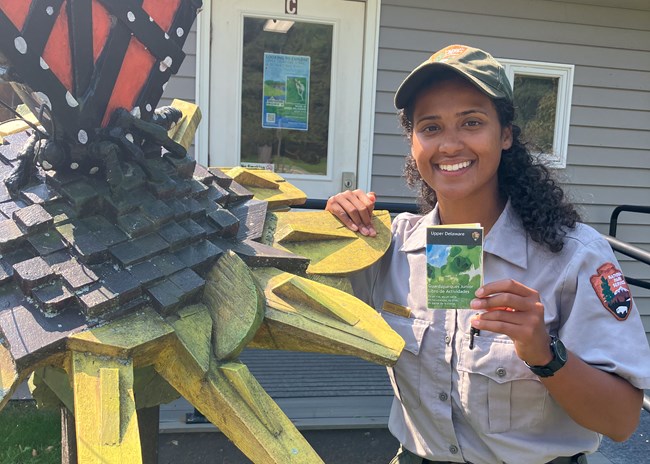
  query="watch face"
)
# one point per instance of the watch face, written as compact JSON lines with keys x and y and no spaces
{"x":559,"y":359}
{"x":560,"y":349}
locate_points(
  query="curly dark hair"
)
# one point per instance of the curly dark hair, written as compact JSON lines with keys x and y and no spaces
{"x":534,"y":194}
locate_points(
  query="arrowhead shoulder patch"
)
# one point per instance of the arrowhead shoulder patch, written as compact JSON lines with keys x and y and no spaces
{"x":612,"y":290}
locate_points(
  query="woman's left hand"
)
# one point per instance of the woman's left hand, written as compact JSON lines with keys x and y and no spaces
{"x":514,"y":310}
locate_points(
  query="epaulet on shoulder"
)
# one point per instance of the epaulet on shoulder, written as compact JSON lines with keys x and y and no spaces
{"x":408,"y":217}
{"x":406,"y":221}
{"x":583,"y":234}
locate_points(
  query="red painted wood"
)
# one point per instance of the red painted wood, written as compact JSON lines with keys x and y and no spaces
{"x":101,"y":28}
{"x":57,"y":52}
{"x":16,"y":11}
{"x":162,"y":11}
{"x":134,"y":72}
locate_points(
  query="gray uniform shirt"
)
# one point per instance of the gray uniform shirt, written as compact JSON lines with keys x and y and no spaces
{"x":484,"y":405}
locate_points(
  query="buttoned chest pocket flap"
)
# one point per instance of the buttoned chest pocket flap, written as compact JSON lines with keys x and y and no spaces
{"x":497,"y":390}
{"x":405,"y":375}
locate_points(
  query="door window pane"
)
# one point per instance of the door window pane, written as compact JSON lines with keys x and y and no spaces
{"x":286,"y":79}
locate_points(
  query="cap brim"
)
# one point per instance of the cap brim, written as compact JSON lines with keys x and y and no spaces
{"x":425,"y":74}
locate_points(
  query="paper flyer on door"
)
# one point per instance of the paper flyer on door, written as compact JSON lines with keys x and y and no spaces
{"x":285,"y":102}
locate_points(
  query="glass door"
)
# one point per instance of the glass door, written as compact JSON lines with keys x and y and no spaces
{"x":295,"y":83}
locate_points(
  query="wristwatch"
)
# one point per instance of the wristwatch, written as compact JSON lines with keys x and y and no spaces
{"x":559,"y":360}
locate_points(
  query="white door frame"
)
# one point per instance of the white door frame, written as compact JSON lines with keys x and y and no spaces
{"x":368,"y":87}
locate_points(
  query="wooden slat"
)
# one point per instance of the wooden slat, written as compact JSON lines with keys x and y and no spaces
{"x":614,"y":15}
{"x":602,"y":176}
{"x":527,"y":28}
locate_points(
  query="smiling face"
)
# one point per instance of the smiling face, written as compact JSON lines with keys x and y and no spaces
{"x":457,"y":142}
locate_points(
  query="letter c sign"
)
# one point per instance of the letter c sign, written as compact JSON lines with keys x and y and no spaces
{"x":291,"y":7}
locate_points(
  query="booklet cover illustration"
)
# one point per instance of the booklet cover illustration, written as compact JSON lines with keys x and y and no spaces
{"x":454,"y":265}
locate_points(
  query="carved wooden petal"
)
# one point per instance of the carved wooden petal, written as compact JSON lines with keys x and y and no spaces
{"x":303,"y":315}
{"x":332,"y":248}
{"x":304,"y":292}
{"x":235,"y":303}
{"x":268,"y":186}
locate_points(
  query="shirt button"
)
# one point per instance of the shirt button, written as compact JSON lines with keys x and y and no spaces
{"x":447,"y":339}
{"x":501,"y":371}
{"x":443,"y":396}
{"x":453,"y":449}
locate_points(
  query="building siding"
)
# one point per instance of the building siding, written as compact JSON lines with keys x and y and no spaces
{"x":183,"y":84}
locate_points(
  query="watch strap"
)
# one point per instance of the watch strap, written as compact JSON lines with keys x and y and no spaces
{"x":558,"y":361}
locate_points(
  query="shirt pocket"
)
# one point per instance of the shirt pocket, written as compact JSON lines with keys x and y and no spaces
{"x":497,"y":390}
{"x":405,"y":374}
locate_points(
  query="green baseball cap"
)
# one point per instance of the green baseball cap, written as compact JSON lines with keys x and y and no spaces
{"x":479,"y":67}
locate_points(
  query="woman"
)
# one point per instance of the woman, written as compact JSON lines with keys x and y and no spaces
{"x":551,"y":365}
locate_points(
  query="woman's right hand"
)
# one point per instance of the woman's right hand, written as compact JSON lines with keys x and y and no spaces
{"x":354,"y":209}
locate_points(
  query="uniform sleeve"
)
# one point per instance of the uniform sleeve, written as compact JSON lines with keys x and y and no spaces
{"x":363,"y":283}
{"x":600,"y":322}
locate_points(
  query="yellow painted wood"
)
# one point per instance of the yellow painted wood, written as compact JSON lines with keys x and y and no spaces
{"x":151,"y":389}
{"x":314,"y":317}
{"x":184,"y":130}
{"x":268,"y":186}
{"x":50,"y":386}
{"x":136,"y":335}
{"x":235,"y":303}
{"x":339,"y":282}
{"x":253,"y":395}
{"x":8,"y":375}
{"x":105,"y":423}
{"x":109,"y":405}
{"x":303,"y":291}
{"x":255,"y":178}
{"x":332,"y":248}
{"x":195,"y":349}
{"x":13,"y":126}
{"x":233,"y":401}
{"x":193,"y":327}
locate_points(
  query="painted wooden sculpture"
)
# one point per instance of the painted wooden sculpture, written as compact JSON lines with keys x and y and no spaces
{"x":129,"y":273}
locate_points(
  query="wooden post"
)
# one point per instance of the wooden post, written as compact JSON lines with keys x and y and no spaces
{"x":148,"y":423}
{"x":68,"y":437}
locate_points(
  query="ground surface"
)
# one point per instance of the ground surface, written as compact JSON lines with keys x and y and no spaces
{"x":358,"y":446}
{"x":363,"y":446}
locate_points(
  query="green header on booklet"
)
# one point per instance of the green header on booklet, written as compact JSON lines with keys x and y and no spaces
{"x":454,"y":265}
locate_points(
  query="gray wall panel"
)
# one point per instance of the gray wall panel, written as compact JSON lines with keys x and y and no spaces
{"x":584,"y":155}
{"x":606,"y":176}
{"x":183,"y":84}
{"x":559,"y":11}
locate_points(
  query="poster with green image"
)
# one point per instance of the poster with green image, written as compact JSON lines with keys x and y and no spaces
{"x":286,"y":92}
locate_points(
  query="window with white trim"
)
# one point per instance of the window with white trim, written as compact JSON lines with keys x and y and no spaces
{"x":542,"y":97}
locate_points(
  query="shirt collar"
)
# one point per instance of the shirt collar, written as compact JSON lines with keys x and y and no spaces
{"x":416,"y":238}
{"x":507,"y":239}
